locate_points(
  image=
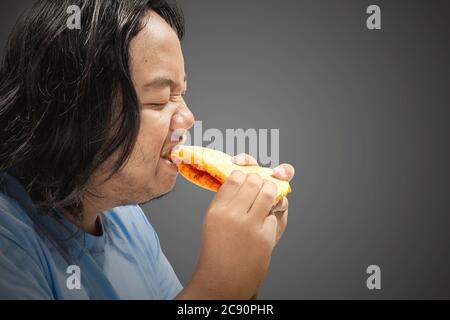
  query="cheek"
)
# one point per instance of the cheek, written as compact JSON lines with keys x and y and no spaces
{"x":152,"y":134}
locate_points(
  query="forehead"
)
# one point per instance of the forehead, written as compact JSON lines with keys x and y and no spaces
{"x":156,"y":52}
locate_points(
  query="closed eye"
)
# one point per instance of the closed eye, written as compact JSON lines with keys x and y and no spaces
{"x":156,"y":106}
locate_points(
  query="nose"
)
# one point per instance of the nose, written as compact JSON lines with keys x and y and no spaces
{"x":182,"y":118}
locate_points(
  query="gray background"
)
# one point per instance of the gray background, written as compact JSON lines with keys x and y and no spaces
{"x":362,"y":117}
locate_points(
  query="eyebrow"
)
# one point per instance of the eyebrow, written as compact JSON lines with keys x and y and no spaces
{"x":161,"y":83}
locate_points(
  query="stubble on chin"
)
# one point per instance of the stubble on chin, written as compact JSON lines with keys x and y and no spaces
{"x":153,"y":198}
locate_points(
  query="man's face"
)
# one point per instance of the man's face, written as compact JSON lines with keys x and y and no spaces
{"x":157,"y":70}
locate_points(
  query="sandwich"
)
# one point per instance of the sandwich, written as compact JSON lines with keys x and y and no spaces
{"x":209,"y":168}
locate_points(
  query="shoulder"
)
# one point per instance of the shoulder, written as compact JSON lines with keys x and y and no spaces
{"x":15,"y":224}
{"x":21,"y":246}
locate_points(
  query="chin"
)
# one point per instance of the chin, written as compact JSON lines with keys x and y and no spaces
{"x":166,"y":189}
{"x":160,"y":189}
{"x":156,"y":195}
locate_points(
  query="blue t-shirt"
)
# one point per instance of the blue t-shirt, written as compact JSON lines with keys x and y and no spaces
{"x":47,"y":257}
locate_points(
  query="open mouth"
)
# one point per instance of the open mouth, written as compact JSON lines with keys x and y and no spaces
{"x":168,"y":154}
{"x":167,"y":158}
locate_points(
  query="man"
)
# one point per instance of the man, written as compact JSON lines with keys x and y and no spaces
{"x":86,"y":120}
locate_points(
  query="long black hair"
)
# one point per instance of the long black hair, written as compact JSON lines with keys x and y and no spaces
{"x":67,"y":102}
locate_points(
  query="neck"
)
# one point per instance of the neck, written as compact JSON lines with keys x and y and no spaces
{"x":90,"y":216}
{"x":100,"y":197}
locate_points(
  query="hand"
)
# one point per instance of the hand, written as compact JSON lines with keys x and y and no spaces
{"x":239,"y":235}
{"x":284,"y":171}
{"x":280,"y":210}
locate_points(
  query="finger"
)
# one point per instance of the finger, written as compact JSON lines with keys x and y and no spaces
{"x":282,"y":219}
{"x":284,"y":171}
{"x":229,"y":188}
{"x":264,"y":201}
{"x":248,"y":192}
{"x":244,"y":159}
{"x":281,"y":206}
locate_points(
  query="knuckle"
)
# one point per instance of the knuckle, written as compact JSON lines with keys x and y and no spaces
{"x":269,"y":190}
{"x":254,"y":180}
{"x":236,"y":177}
{"x":268,"y":194}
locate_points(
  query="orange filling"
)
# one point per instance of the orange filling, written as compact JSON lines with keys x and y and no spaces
{"x":199,"y":177}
